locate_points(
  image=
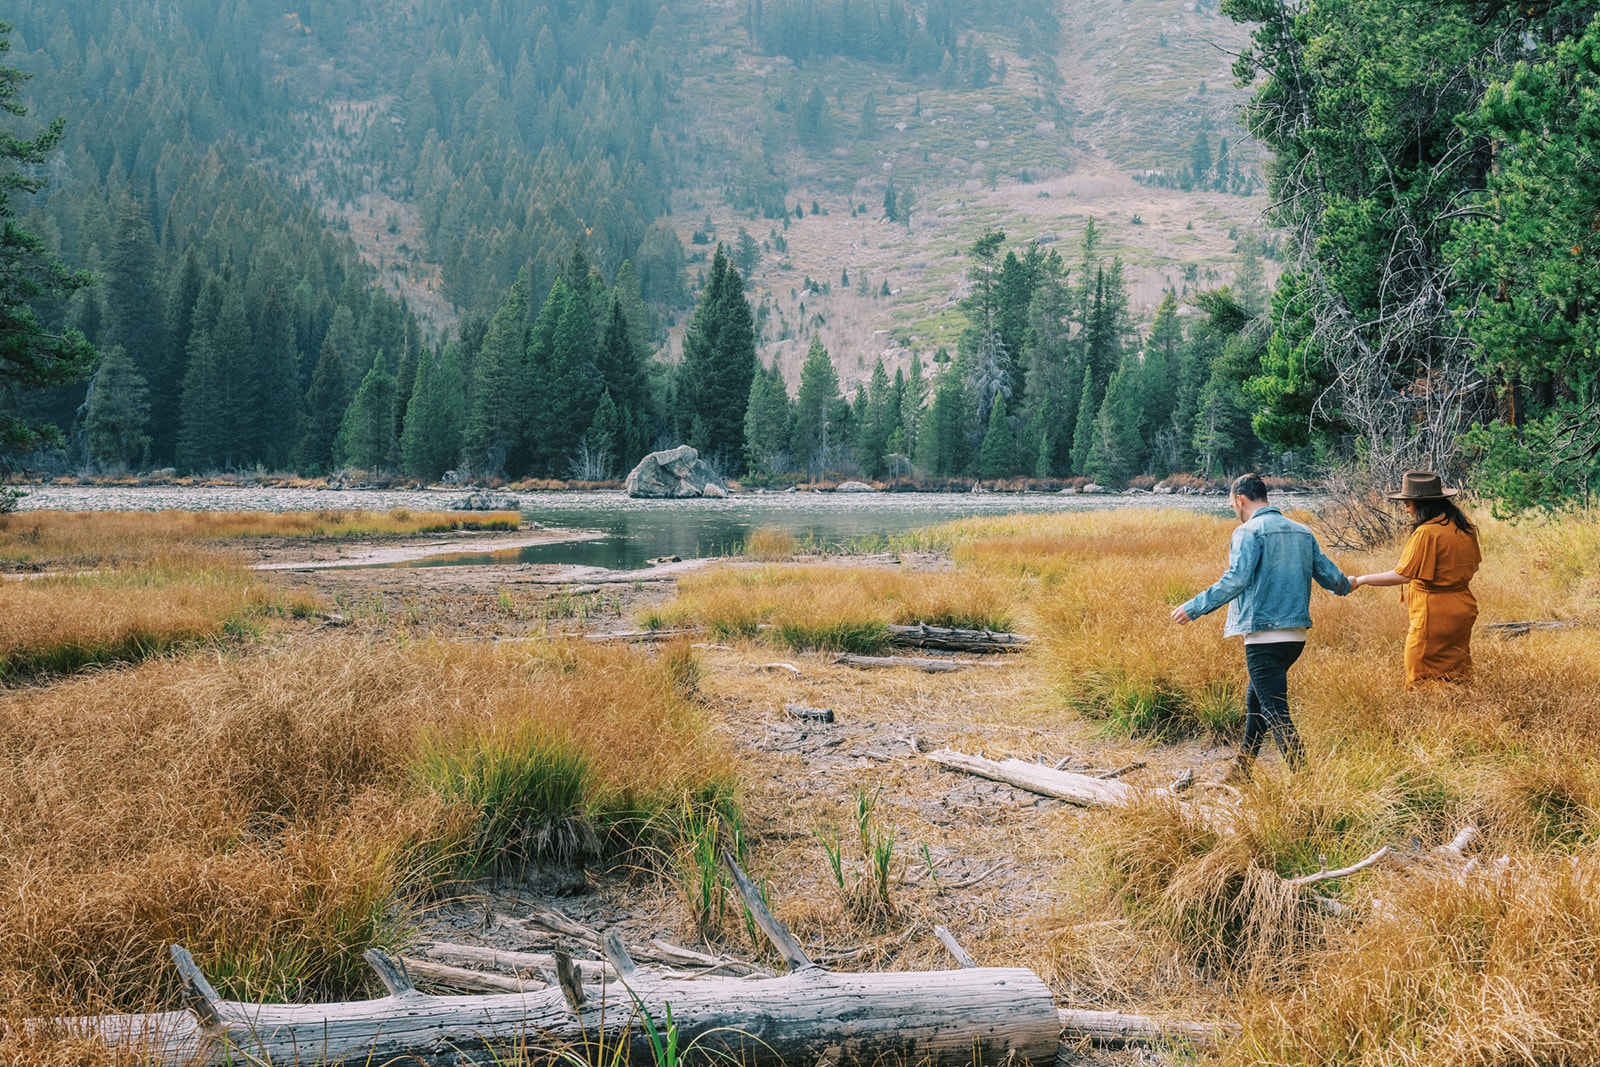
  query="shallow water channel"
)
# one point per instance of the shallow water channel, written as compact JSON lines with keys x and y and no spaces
{"x":627,"y":532}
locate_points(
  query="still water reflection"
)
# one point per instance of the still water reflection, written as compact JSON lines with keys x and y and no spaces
{"x":629,"y":532}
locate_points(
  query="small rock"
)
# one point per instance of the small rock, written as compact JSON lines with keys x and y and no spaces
{"x":854,"y":487}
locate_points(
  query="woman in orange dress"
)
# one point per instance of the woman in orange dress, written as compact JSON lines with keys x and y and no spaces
{"x":1440,"y":558}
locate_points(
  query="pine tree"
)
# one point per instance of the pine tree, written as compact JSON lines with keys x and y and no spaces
{"x":117,"y":413}
{"x":997,"y":460}
{"x":321,"y":415}
{"x":877,"y":422}
{"x":769,"y":420}
{"x":132,"y":289}
{"x":430,"y":444}
{"x":367,"y":433}
{"x":500,"y":386}
{"x":719,"y":361}
{"x":814,"y":410}
{"x":911,"y":401}
{"x":573,"y":386}
{"x":1083,"y":432}
{"x":1163,"y":356}
{"x":31,"y":357}
{"x":277,"y":363}
{"x":628,"y":292}
{"x":625,"y":375}
{"x":1117,"y":452}
{"x":602,"y":440}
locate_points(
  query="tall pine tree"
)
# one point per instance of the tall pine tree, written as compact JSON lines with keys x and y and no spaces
{"x":719,"y":361}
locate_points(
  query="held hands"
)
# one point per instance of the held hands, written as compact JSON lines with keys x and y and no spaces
{"x":1355,"y":581}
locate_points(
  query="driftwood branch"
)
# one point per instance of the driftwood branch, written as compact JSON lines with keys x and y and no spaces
{"x":391,"y":973}
{"x":949,"y":941}
{"x":198,"y":993}
{"x":800,"y":711}
{"x":617,"y":953}
{"x":1073,"y":788}
{"x":570,"y":981}
{"x":516,"y":963}
{"x":468,"y":980}
{"x":1327,"y":875}
{"x":952,"y":640}
{"x":776,"y":932}
{"x":1120,"y":771}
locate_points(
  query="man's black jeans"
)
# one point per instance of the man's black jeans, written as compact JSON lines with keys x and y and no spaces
{"x":1267,"y":704}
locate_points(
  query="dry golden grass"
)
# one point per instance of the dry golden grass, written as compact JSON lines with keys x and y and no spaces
{"x":769,"y":544}
{"x":52,"y":539}
{"x":832,"y":607}
{"x":62,"y":624}
{"x":269,"y":810}
{"x":1445,"y":974}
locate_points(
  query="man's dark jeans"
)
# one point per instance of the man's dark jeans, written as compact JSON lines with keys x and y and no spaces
{"x":1267,"y":704}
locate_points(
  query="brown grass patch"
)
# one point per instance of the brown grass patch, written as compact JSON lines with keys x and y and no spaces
{"x":33,"y":540}
{"x":269,"y":811}
{"x":832,"y":607}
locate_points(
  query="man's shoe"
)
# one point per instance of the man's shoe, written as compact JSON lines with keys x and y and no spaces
{"x":1238,"y":773}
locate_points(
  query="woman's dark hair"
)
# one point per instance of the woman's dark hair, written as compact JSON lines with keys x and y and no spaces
{"x":1428,"y":510}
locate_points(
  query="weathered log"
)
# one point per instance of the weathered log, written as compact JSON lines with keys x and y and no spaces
{"x":514,"y":963}
{"x":930,"y":666}
{"x":640,"y":635}
{"x":1073,"y":788}
{"x":790,"y":667}
{"x":1116,"y":1028}
{"x":953,"y":640}
{"x":942,"y":1018}
{"x":467,"y":980}
{"x":800,"y":711}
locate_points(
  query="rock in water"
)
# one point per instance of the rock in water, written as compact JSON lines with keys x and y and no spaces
{"x":854,"y":487}
{"x":677,"y":472}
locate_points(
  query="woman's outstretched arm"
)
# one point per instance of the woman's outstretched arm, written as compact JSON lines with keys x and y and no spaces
{"x":1386,"y":578}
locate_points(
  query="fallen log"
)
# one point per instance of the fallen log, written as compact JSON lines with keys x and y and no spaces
{"x":953,"y":640}
{"x":1527,"y":626}
{"x":944,"y":1018}
{"x":800,"y":711}
{"x":930,"y":666}
{"x":1115,"y":1028}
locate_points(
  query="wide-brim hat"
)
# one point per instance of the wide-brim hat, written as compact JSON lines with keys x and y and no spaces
{"x":1422,"y":485}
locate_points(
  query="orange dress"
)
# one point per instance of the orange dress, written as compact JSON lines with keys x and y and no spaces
{"x":1440,"y":559}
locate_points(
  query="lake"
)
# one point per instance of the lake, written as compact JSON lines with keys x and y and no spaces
{"x":629,"y":531}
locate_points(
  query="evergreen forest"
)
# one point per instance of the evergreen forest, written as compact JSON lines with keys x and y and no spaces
{"x":412,"y":240}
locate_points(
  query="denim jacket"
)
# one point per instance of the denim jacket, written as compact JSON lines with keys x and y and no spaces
{"x":1267,"y":585}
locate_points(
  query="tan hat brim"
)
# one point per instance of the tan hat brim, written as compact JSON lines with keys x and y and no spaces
{"x":1441,"y":495}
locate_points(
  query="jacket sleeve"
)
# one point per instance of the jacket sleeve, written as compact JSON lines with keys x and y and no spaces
{"x":1244,"y":554}
{"x":1327,"y":572}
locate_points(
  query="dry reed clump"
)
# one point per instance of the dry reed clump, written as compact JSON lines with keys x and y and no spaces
{"x":60,"y":625}
{"x":274,"y":812}
{"x":50,"y":539}
{"x":1492,"y":968}
{"x":769,"y":544}
{"x":831,"y":607}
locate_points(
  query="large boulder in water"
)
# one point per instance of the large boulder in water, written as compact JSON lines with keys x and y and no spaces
{"x":677,"y":472}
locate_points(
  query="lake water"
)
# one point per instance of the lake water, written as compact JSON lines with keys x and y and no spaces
{"x":629,"y":532}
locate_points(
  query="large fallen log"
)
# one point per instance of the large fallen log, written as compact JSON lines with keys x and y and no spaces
{"x":952,"y":640}
{"x":940,"y":1018}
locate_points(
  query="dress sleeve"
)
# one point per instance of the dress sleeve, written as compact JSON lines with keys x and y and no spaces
{"x":1420,"y":560}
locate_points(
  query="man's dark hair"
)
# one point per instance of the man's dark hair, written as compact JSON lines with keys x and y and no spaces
{"x":1250,"y":486}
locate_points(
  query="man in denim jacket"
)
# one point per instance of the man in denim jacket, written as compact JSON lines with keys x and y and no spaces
{"x":1267,"y":587}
